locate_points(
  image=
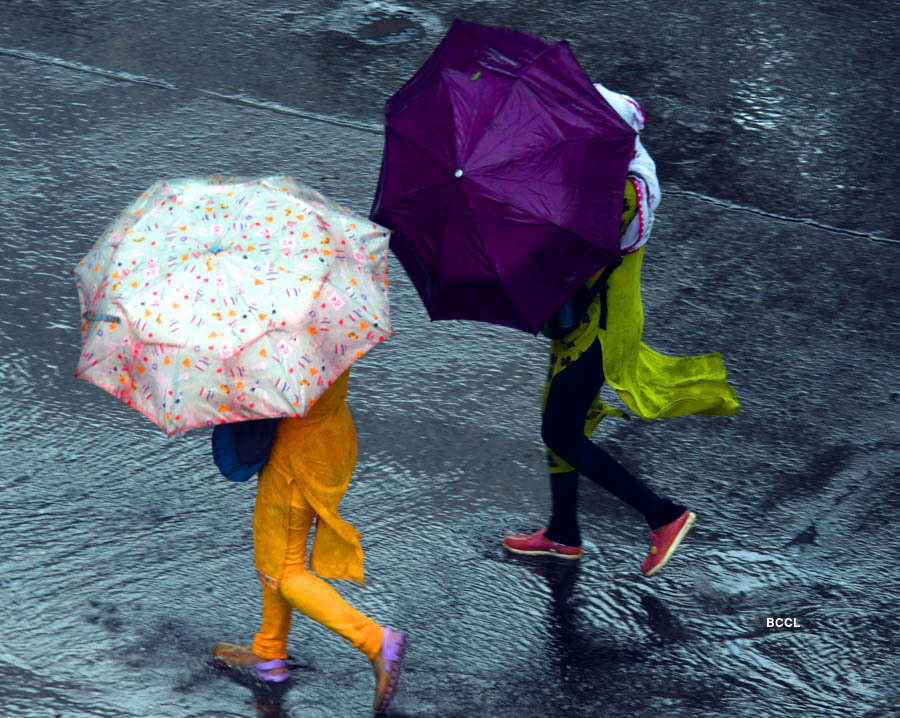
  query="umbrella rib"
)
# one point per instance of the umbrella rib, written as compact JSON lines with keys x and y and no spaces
{"x":419,"y":190}
{"x":533,"y":153}
{"x":512,"y":303}
{"x":509,"y":203}
{"x":549,"y":223}
{"x":503,"y":277}
{"x":517,"y":79}
{"x":428,"y":151}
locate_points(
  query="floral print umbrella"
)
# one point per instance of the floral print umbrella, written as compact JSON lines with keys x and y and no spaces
{"x":218,"y":300}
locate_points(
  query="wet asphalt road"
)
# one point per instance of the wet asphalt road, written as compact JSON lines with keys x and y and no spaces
{"x":126,"y":556}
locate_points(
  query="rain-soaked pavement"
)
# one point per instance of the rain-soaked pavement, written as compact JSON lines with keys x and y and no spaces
{"x":125,"y":556}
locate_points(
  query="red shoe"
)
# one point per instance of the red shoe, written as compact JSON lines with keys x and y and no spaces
{"x":665,"y":540}
{"x":536,"y":545}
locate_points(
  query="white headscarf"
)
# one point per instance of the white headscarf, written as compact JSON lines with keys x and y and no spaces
{"x":642,"y":169}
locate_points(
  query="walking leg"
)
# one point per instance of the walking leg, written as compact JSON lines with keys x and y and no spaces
{"x":563,"y":526}
{"x":271,"y":640}
{"x":313,"y":596}
{"x":570,"y":395}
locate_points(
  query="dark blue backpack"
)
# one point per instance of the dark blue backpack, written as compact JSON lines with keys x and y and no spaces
{"x":241,"y":449}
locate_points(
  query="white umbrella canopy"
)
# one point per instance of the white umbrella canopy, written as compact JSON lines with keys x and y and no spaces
{"x":217,"y":300}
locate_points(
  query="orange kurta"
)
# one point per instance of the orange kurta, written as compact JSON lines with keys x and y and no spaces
{"x":318,"y":453}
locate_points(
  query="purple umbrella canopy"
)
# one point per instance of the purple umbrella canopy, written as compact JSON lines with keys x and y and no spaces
{"x":502,"y":177}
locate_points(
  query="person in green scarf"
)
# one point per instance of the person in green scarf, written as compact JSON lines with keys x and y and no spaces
{"x":602,"y":342}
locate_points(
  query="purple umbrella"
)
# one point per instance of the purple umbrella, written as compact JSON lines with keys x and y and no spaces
{"x":502,"y":177}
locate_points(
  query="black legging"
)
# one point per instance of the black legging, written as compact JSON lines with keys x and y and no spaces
{"x":572,"y":391}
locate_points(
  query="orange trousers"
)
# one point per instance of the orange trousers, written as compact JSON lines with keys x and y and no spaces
{"x":299,"y":588}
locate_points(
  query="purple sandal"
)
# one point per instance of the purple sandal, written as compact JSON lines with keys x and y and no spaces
{"x":393,"y":646}
{"x":274,"y":671}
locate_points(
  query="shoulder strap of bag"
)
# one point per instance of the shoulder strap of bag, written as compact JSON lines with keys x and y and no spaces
{"x":600,"y":287}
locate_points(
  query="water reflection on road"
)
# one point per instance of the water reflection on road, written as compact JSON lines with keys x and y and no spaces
{"x":126,"y":556}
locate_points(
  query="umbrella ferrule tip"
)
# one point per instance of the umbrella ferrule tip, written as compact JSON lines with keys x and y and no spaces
{"x":458,"y":173}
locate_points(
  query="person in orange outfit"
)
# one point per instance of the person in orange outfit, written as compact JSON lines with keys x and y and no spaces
{"x":305,"y":477}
